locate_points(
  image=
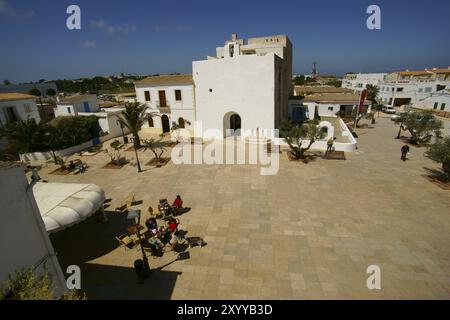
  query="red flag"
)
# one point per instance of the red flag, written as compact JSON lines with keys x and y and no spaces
{"x":361,"y":101}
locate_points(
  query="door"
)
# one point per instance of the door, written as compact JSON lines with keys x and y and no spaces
{"x":235,"y":123}
{"x":86,"y":106}
{"x":162,"y":99}
{"x":10,"y":114}
{"x":165,"y":123}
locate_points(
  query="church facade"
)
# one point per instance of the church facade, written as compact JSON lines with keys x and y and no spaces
{"x":242,"y":90}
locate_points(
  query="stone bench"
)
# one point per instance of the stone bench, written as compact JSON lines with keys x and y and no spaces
{"x":335,"y":155}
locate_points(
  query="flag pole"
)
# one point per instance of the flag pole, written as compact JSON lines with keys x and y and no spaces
{"x":357,"y":110}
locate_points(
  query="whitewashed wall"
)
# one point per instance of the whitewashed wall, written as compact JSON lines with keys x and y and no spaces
{"x":243,"y":84}
{"x":24,"y":240}
{"x":20,"y":110}
{"x":178,"y":109}
{"x":47,"y":155}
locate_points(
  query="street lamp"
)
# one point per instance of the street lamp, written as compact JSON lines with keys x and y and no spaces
{"x":132,"y":215}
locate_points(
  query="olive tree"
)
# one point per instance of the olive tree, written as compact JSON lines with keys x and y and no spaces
{"x":156,"y":146}
{"x":295,"y":134}
{"x":440,"y":152}
{"x":422,"y":125}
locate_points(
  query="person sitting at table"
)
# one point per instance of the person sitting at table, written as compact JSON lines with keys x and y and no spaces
{"x":151,"y":225}
{"x":173,"y":225}
{"x":72,"y":165}
{"x":177,"y":203}
{"x":155,"y":242}
{"x":164,"y":234}
{"x":173,"y":242}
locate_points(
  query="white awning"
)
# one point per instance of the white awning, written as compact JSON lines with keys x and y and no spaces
{"x":64,"y":204}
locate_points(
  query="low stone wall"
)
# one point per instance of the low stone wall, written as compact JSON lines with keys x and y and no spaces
{"x":322,"y":144}
{"x":47,"y":155}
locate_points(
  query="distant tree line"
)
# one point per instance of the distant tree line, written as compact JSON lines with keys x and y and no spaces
{"x":302,"y":80}
{"x":96,"y":85}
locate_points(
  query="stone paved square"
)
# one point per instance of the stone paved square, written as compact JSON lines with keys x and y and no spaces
{"x":309,"y":232}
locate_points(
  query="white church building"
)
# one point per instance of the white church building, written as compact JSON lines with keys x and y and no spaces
{"x":245,"y":86}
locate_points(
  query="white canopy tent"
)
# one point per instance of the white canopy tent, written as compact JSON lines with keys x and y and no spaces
{"x":64,"y":204}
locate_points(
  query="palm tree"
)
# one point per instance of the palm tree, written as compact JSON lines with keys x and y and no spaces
{"x":133,"y":117}
{"x":26,"y":133}
{"x":372,"y":93}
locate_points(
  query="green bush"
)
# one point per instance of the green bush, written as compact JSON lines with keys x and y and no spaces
{"x":440,"y":152}
{"x":26,"y":285}
{"x":60,"y":133}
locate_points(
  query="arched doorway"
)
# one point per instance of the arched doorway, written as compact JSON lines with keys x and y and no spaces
{"x":235,"y":122}
{"x":181,"y":123}
{"x":165,"y":123}
{"x":232,"y":124}
{"x":150,"y":122}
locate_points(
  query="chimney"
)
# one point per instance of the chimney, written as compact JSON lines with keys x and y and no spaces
{"x":234,"y":36}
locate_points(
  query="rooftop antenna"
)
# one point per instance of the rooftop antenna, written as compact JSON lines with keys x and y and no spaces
{"x":314,"y":70}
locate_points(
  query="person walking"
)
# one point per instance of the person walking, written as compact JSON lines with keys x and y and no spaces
{"x":405,"y":151}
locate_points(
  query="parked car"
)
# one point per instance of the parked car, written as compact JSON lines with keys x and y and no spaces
{"x":389,"y":110}
{"x":395,"y":116}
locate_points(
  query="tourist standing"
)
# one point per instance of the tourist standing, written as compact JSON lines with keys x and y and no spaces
{"x":330,"y":143}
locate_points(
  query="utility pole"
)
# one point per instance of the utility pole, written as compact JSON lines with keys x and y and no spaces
{"x":357,"y":112}
{"x":314,"y":70}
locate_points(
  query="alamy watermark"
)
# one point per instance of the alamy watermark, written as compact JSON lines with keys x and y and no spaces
{"x":73,"y":21}
{"x":374,"y":280}
{"x":74,"y":279}
{"x":374,"y":20}
{"x":253,"y":147}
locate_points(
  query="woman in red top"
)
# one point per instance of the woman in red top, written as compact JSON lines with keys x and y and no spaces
{"x":173,"y":225}
{"x":178,"y":203}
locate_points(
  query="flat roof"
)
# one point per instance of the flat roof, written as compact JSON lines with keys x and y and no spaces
{"x":166,"y":79}
{"x":340,"y":98}
{"x":424,"y":72}
{"x":320,"y":89}
{"x":77,"y":98}
{"x":11,"y":96}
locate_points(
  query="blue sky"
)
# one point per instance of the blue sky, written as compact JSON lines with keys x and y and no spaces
{"x":147,"y":37}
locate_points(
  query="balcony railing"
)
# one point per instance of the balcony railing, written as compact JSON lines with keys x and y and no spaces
{"x":163,"y":108}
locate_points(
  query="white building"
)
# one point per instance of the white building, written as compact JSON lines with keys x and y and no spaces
{"x":88,"y":105}
{"x":226,"y":91}
{"x":108,"y":120}
{"x":24,"y":239}
{"x":415,"y":88}
{"x":359,"y":81}
{"x":327,"y":104}
{"x":246,"y":86}
{"x":171,"y":97}
{"x":438,"y":101}
{"x":126,"y":97}
{"x":72,"y":105}
{"x":17,"y":107}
